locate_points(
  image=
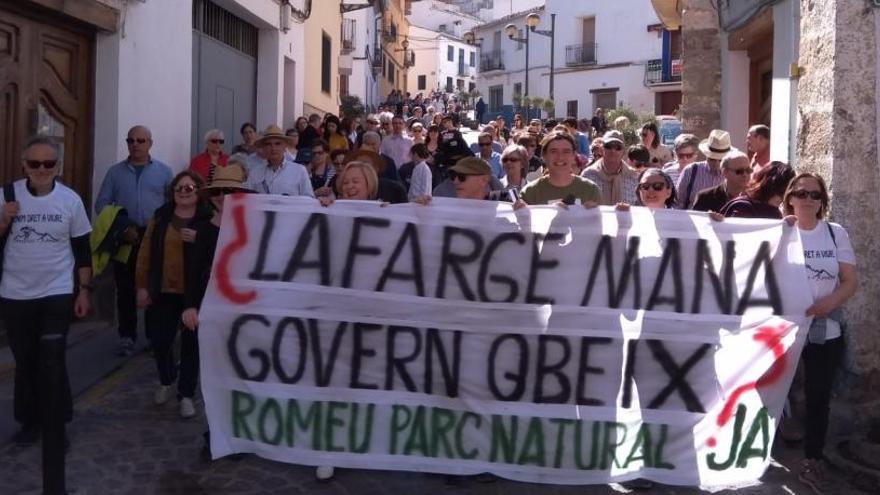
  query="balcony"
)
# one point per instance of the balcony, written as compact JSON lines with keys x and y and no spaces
{"x":582,"y":54}
{"x":348,"y":35}
{"x":463,"y":70}
{"x":377,"y":60}
{"x":654,"y":73}
{"x":493,"y":60}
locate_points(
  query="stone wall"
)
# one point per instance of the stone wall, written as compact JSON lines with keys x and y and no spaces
{"x":701,"y":68}
{"x":837,"y":137}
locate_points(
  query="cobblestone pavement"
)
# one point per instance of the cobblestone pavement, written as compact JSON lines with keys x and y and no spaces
{"x":123,"y":444}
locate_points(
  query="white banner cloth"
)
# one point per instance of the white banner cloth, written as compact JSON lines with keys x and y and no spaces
{"x":544,"y":345}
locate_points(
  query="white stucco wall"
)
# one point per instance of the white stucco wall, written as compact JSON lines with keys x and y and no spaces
{"x":783,"y":112}
{"x":361,"y":82}
{"x":143,"y":78}
{"x":734,"y":93}
{"x":631,"y":91}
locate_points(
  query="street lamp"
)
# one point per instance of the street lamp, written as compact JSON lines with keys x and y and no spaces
{"x":532,"y":21}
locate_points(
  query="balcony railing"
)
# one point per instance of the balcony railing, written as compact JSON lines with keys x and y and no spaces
{"x":348,"y":35}
{"x":583,"y":54}
{"x":463,"y":70}
{"x":377,"y":60}
{"x":493,"y":60}
{"x":654,"y":73}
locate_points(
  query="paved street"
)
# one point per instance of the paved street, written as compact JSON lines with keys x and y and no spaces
{"x":122,"y":443}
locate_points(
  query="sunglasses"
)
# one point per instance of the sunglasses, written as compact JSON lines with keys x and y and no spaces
{"x":133,"y":140}
{"x":186,"y":188}
{"x":456,"y":176}
{"x":217,"y":141}
{"x":742,"y":171}
{"x":509,"y":159}
{"x":803,"y":194}
{"x":657,"y":186}
{"x":35,"y":164}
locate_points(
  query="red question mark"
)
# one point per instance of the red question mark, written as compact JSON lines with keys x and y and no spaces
{"x":221,"y":272}
{"x":771,"y":338}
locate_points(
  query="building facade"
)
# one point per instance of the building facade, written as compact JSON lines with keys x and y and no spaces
{"x":443,"y":62}
{"x":358,"y":77}
{"x":102,"y":69}
{"x":393,"y":56}
{"x":604,"y":54}
{"x":323,"y":36}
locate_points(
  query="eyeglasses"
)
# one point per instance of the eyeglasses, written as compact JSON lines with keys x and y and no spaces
{"x":657,"y":186}
{"x":217,"y":141}
{"x":803,"y":194}
{"x":742,"y":171}
{"x":615,"y":147}
{"x":133,"y":140}
{"x":686,"y":156}
{"x":35,"y":164}
{"x":456,"y":176}
{"x":186,"y":188}
{"x":509,"y":159}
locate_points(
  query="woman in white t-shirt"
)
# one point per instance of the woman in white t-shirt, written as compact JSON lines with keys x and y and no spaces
{"x":831,"y":271}
{"x":46,"y":234}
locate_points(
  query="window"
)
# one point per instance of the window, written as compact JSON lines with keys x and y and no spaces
{"x":343,"y":85}
{"x":571,"y":108}
{"x":390,"y":71}
{"x":449,"y":85}
{"x":459,"y":84}
{"x":472,"y":87}
{"x":423,"y":82}
{"x":450,"y":53}
{"x":496,"y":98}
{"x":520,"y":35}
{"x":605,"y":98}
{"x":473,"y":59}
{"x":325,"y":62}
{"x":517,"y":88}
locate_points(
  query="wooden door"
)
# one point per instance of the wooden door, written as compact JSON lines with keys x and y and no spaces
{"x":46,"y":88}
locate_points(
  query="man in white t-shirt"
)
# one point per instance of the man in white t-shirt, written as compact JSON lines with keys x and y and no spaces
{"x":46,"y":233}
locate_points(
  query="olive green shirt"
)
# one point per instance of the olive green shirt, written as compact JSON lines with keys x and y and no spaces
{"x":542,"y":192}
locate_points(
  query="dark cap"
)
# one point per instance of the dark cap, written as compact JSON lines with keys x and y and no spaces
{"x":472,"y":166}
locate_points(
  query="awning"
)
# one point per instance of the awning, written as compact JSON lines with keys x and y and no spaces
{"x":669,"y":12}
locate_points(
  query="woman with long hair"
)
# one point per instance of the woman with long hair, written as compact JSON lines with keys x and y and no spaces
{"x":831,"y":272}
{"x":333,"y":134}
{"x":161,"y":284}
{"x":650,"y":136}
{"x":763,"y":195}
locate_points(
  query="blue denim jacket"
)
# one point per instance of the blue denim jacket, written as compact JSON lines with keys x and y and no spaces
{"x":140,"y":196}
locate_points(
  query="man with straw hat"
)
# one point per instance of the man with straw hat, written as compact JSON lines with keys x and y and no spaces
{"x":702,"y":175}
{"x":277,"y":173}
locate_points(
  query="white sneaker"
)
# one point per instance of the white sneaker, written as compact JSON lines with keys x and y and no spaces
{"x":187,"y":409}
{"x":324,"y":473}
{"x":161,"y":395}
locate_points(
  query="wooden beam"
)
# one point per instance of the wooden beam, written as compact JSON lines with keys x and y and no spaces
{"x":93,"y":12}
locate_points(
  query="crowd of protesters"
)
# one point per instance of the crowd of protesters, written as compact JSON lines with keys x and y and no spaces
{"x":158,"y":230}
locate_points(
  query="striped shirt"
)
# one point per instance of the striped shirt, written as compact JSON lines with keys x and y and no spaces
{"x":694,"y":178}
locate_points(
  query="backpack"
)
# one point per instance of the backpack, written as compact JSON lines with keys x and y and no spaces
{"x":8,"y":197}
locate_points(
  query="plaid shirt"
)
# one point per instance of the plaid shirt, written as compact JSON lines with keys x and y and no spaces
{"x":694,"y":178}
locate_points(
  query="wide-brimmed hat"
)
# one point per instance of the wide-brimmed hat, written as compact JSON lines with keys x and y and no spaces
{"x":717,"y":145}
{"x":273,"y":132}
{"x":368,"y":156}
{"x":231,"y":176}
{"x":471,"y":166}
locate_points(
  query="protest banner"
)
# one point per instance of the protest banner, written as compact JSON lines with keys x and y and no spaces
{"x":544,"y":345}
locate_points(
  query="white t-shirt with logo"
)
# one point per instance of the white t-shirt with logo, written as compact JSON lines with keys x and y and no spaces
{"x":822,"y":259}
{"x":38,"y":259}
